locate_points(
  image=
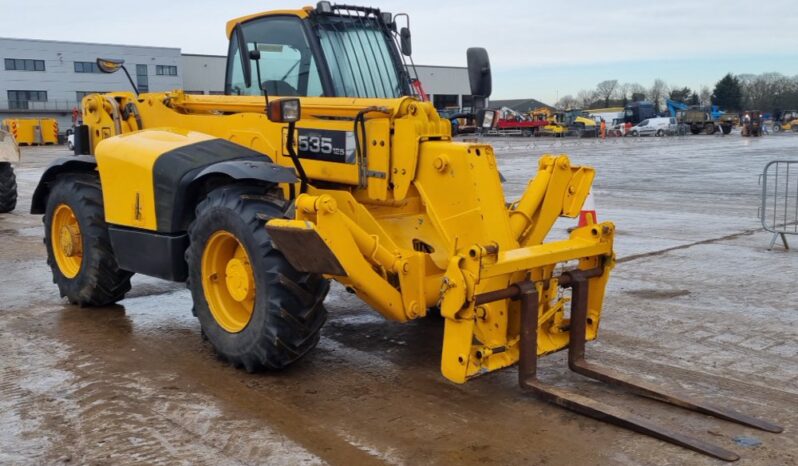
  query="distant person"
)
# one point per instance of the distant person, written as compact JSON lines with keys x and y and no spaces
{"x":603,"y":129}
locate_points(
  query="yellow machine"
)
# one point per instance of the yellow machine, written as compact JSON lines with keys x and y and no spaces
{"x":9,"y":154}
{"x":788,"y":121}
{"x":33,"y":131}
{"x":563,"y":122}
{"x":317,"y":164}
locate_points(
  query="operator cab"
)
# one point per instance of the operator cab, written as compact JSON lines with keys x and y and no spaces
{"x":330,"y":51}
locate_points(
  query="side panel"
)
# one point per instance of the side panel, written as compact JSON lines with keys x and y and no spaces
{"x":150,"y":177}
{"x":126,"y":166}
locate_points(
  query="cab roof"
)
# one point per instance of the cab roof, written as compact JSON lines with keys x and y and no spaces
{"x":302,"y":14}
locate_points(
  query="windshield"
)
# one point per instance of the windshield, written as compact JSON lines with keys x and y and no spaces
{"x":286,"y":66}
{"x":342,"y":55}
{"x":360,"y":55}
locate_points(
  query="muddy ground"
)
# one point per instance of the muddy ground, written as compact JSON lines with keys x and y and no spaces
{"x":696,"y":302}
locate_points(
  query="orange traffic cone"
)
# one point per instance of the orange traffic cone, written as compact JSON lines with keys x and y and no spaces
{"x":587,"y":216}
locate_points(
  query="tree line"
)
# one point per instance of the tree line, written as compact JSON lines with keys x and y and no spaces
{"x":767,"y":92}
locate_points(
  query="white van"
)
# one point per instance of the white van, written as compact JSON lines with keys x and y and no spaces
{"x":659,"y":126}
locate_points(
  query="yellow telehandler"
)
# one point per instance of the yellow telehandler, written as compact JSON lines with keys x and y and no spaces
{"x":320,"y":163}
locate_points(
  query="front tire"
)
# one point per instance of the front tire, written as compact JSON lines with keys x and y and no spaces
{"x":256,"y":310}
{"x":79,"y":249}
{"x":8,"y":188}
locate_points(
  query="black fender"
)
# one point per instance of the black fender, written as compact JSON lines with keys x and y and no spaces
{"x":78,"y":164}
{"x":255,"y":169}
{"x":177,"y":212}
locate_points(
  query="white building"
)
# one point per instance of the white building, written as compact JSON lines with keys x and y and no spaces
{"x":44,"y":78}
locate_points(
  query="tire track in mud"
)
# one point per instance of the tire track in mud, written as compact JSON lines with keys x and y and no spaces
{"x":90,"y":413}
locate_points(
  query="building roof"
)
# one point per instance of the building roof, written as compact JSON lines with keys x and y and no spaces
{"x":519,"y":105}
{"x":103,"y":44}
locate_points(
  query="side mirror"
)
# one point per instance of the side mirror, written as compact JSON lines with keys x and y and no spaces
{"x":109,"y":65}
{"x":404,"y":41}
{"x":284,"y":110}
{"x":479,"y":72}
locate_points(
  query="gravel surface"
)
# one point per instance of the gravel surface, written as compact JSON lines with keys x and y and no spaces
{"x":696,"y":302}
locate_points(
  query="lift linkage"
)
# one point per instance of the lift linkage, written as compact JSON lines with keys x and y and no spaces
{"x":577,"y":280}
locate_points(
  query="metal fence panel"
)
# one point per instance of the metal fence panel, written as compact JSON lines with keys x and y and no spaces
{"x":779,"y":209}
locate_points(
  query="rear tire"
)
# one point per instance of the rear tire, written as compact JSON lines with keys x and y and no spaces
{"x":726,"y":129}
{"x":94,"y":278}
{"x":709,"y":129}
{"x":283,"y":312}
{"x":776,"y":128}
{"x":660,"y":133}
{"x":8,"y":188}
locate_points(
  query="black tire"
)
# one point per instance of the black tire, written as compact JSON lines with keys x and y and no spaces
{"x":634,"y":133}
{"x":726,"y":129}
{"x":8,"y":188}
{"x":100,"y":281}
{"x":660,"y":133}
{"x":709,"y":129}
{"x":288,"y":307}
{"x":695,"y":130}
{"x":776,"y":128}
{"x":527,"y":133}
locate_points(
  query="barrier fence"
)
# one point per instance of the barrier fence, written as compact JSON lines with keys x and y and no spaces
{"x":779,"y":209}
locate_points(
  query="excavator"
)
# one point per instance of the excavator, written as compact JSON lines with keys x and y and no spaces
{"x":320,"y":164}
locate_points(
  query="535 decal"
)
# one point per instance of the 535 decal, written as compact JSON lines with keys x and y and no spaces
{"x":326,"y":145}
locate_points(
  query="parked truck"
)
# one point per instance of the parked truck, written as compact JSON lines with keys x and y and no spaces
{"x":708,"y":120}
{"x":508,"y":122}
{"x":636,"y":112}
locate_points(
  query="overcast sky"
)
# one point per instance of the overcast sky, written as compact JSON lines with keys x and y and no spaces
{"x":538,"y":49}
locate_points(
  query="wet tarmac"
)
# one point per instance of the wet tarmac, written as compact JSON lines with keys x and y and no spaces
{"x":696,"y":302}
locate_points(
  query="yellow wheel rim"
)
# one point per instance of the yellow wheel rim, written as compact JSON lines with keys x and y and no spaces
{"x":66,"y":241}
{"x":228,"y":281}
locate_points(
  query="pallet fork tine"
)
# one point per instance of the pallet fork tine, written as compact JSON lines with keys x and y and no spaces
{"x":578,"y":364}
{"x":527,"y":293}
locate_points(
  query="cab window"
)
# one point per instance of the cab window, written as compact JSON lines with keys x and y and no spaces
{"x":643,"y":123}
{"x":286,"y":66}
